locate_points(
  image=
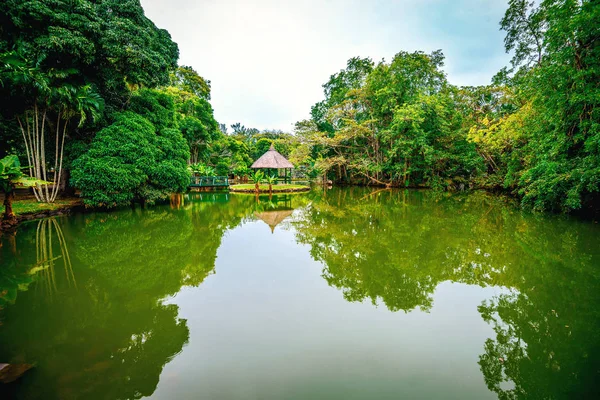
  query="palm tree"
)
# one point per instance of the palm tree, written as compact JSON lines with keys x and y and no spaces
{"x":271,"y":180}
{"x":257,"y":178}
{"x":50,"y":100}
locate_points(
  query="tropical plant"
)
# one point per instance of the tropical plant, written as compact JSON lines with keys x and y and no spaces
{"x":271,"y":180}
{"x":242,"y":172}
{"x":202,"y":169}
{"x":11,"y":176}
{"x":50,"y":106}
{"x":60,"y":62}
{"x":256,"y":178}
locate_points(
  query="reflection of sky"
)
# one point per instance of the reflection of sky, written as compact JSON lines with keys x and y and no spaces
{"x":268,"y":326}
{"x":267,"y":59}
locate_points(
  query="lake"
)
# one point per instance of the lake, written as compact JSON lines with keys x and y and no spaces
{"x":348,"y":293}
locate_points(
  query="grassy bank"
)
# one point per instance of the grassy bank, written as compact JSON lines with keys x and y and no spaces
{"x":31,"y":206}
{"x":265,"y":188}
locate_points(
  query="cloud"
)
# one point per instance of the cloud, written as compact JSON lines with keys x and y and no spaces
{"x":267,"y":59}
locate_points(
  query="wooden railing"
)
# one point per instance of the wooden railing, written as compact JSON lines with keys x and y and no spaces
{"x":209,"y":181}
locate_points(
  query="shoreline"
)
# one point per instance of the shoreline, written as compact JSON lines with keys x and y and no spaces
{"x":251,"y":191}
{"x":76,"y":205}
{"x":65,"y":209}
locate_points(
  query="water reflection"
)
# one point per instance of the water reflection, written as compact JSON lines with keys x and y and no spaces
{"x":112,"y":337}
{"x":546,"y":344}
{"x":398,"y":248}
{"x":112,"y":325}
{"x":48,"y":234}
{"x":274,"y":211}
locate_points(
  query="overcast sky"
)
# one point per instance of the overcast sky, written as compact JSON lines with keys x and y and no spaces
{"x":267,"y":59}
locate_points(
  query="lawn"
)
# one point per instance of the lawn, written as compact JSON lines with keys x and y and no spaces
{"x":31,"y":206}
{"x":265,"y":188}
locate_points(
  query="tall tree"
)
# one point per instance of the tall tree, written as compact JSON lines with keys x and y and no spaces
{"x":561,"y":158}
{"x":68,"y":53}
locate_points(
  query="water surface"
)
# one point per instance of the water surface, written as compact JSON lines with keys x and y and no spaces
{"x":345,"y":294}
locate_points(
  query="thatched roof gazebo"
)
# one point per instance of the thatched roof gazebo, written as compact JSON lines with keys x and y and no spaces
{"x":272,"y":159}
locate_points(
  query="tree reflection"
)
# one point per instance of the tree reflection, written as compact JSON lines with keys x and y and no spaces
{"x":48,"y":236}
{"x":112,"y":335}
{"x":547,"y":343}
{"x":396,"y":247}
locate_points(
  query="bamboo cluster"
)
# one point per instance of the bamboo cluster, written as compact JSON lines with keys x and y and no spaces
{"x":33,"y":126}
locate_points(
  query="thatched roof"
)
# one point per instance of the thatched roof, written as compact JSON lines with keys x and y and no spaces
{"x":273,"y":218}
{"x":272,"y":159}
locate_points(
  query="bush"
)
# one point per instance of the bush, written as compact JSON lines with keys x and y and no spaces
{"x":223,"y":166}
{"x":128,"y":162}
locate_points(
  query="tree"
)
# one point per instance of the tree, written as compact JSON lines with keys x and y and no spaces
{"x":525,"y":26}
{"x":130,"y":161}
{"x":188,"y":80}
{"x":559,"y":160}
{"x":393,"y":124}
{"x":66,"y":61}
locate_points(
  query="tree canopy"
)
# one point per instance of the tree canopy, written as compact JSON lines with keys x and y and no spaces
{"x":533,"y":132}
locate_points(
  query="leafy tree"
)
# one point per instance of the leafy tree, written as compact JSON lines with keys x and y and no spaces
{"x":525,"y":26}
{"x":194,"y":114}
{"x":394,"y":124}
{"x":187,"y":79}
{"x":130,"y":161}
{"x":64,"y":60}
{"x":560,"y":158}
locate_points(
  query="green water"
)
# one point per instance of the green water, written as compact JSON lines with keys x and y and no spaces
{"x":347,"y":294}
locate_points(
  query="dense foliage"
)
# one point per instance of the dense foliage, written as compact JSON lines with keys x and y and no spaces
{"x":395,"y":123}
{"x":131,"y":161}
{"x":534,"y":132}
{"x":72,"y":69}
{"x":83,"y":76}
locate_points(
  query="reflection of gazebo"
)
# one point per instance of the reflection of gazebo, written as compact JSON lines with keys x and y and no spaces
{"x":273,"y":160}
{"x":273,"y":218}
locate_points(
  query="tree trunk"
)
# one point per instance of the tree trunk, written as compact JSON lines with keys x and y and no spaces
{"x":64,"y":187}
{"x":8,"y":210}
{"x":33,"y":127}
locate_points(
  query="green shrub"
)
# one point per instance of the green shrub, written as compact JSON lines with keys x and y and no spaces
{"x":128,"y":162}
{"x":222,"y":167}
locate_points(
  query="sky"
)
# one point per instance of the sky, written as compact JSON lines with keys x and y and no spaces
{"x":268,"y":59}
